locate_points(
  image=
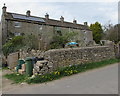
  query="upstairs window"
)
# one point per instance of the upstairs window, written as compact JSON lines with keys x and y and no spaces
{"x":17,"y":24}
{"x":58,"y":28}
{"x":17,"y":34}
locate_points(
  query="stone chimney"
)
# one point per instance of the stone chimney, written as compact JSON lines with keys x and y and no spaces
{"x":4,"y":9}
{"x":75,"y":21}
{"x":28,"y":13}
{"x":62,"y":19}
{"x":47,"y":16}
{"x":85,"y":23}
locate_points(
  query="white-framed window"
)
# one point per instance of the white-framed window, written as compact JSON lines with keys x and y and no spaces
{"x":57,"y":28}
{"x":17,"y":34}
{"x":17,"y":24}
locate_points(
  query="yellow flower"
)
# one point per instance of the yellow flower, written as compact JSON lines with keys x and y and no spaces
{"x":55,"y":72}
{"x":71,"y":71}
{"x":58,"y":73}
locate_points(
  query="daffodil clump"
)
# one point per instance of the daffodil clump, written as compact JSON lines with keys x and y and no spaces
{"x":70,"y":72}
{"x":57,"y":73}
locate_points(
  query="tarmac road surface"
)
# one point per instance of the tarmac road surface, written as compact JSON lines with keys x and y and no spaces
{"x":97,"y":81}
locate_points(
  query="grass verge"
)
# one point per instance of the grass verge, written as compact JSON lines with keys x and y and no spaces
{"x":4,"y":68}
{"x":17,"y":78}
{"x":59,"y":73}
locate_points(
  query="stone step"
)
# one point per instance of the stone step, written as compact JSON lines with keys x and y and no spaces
{"x":43,"y":62}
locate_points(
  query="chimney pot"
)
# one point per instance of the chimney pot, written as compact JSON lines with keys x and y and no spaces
{"x":62,"y":19}
{"x":85,"y":23}
{"x":28,"y":13}
{"x":75,"y":21}
{"x":4,"y":8}
{"x":47,"y":16}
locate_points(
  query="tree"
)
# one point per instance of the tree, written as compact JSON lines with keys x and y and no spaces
{"x":20,"y":42}
{"x":59,"y":40}
{"x":13,"y":45}
{"x":97,"y":31}
{"x":31,"y":42}
{"x":112,"y":32}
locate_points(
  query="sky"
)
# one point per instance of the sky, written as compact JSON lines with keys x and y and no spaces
{"x":103,"y":11}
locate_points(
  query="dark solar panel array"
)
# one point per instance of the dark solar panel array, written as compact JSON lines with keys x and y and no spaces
{"x":17,"y":16}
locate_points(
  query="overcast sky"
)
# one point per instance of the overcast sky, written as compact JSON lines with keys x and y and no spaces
{"x":92,"y":11}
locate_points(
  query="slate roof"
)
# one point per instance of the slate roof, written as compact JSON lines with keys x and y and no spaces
{"x":40,"y":20}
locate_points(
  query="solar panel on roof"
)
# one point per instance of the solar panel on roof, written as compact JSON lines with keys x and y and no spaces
{"x":17,"y":16}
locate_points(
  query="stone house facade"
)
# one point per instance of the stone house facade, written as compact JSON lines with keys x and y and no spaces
{"x":43,"y":28}
{"x":0,"y":37}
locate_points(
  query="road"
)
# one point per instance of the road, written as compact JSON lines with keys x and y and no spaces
{"x":98,"y":81}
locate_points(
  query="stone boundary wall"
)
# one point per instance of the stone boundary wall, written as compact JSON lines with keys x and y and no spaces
{"x":69,"y":56}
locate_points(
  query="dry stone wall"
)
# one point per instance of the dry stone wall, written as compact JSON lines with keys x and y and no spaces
{"x":69,"y":56}
{"x":63,"y":57}
{"x":12,"y":60}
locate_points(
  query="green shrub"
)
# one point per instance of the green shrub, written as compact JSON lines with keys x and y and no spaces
{"x":60,"y":39}
{"x":7,"y":48}
{"x":13,"y":45}
{"x":17,"y":40}
{"x":31,"y":42}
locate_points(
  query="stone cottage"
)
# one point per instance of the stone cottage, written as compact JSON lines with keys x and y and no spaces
{"x":0,"y":37}
{"x":43,"y":28}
